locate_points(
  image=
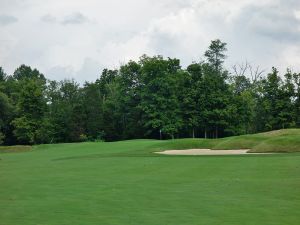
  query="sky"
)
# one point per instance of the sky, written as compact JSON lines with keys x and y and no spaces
{"x":77,"y":39}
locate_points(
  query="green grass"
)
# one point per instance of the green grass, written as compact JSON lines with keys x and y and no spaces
{"x":124,"y":183}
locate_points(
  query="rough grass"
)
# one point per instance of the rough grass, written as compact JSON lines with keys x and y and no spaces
{"x":16,"y":148}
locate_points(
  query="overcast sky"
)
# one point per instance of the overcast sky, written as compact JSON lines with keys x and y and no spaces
{"x":78,"y":38}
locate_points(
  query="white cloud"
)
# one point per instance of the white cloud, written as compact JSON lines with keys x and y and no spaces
{"x":49,"y":18}
{"x":7,"y":19}
{"x":75,"y":18}
{"x":66,"y":38}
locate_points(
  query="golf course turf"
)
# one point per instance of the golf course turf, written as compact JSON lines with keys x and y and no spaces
{"x":126,"y":183}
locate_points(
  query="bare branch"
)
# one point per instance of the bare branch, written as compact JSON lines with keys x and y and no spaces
{"x":247,"y":70}
{"x":240,"y":69}
{"x":256,"y":73}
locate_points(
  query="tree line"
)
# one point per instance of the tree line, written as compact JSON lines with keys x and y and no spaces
{"x":151,"y":98}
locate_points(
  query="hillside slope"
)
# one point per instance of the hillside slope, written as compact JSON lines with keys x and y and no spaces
{"x":287,"y":140}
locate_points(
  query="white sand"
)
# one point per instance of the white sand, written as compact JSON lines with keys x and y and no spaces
{"x":207,"y":152}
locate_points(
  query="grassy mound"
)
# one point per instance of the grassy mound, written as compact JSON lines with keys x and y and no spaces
{"x":280,"y":141}
{"x":275,"y":141}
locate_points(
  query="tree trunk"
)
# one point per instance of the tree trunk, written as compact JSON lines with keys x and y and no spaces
{"x":193,"y":133}
{"x":216,"y":132}
{"x":205,"y":133}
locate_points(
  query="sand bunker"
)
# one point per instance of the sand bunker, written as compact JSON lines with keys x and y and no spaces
{"x":207,"y":152}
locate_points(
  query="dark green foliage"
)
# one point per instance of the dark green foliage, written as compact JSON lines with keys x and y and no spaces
{"x":25,"y":72}
{"x":93,"y":109}
{"x":161,"y":81}
{"x":2,"y":75}
{"x":216,"y":54}
{"x":31,"y":107}
{"x":66,"y":111}
{"x":5,"y":115}
{"x":190,"y":97}
{"x":296,"y":108}
{"x":151,"y":98}
{"x":277,"y":101}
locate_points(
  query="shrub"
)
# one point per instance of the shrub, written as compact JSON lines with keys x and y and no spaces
{"x":83,"y":138}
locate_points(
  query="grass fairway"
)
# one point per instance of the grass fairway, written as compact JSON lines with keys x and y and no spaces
{"x":122,"y":183}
